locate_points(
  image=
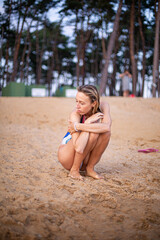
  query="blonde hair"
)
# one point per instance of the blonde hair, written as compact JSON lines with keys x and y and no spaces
{"x":92,"y":92}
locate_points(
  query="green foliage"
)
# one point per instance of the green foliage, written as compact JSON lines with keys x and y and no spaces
{"x":85,"y":15}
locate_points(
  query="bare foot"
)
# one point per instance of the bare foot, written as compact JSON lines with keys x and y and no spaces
{"x":75,"y":175}
{"x":93,"y":174}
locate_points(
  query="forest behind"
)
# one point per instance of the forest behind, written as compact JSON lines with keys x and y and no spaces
{"x":107,"y":38}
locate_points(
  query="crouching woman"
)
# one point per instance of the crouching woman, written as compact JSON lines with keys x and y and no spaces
{"x":88,"y":134}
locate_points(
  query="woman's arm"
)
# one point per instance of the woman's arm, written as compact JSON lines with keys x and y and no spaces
{"x":129,"y":75}
{"x":79,"y":139}
{"x":104,"y":106}
{"x":121,"y":75}
{"x":91,"y":126}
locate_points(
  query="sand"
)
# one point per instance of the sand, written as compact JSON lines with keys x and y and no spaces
{"x":39,"y":201}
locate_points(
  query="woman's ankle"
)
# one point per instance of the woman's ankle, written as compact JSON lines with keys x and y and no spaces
{"x":89,"y":168}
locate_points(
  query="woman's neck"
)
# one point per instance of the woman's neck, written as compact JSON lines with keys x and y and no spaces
{"x":87,"y":115}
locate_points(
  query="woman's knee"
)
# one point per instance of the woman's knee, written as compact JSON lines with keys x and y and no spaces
{"x":93,"y":137}
{"x":106,"y":136}
{"x":65,"y":163}
{"x":64,"y":159}
{"x":60,"y":154}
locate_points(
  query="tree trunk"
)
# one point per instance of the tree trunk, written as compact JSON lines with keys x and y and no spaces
{"x":83,"y":61}
{"x":17,"y":46}
{"x":77,"y":65}
{"x":39,"y":72}
{"x":51,"y":74}
{"x":1,"y":46}
{"x":92,"y":65}
{"x":156,"y":53}
{"x":80,"y":50}
{"x":137,"y":43}
{"x":96,"y":61}
{"x":22,"y":63}
{"x":37,"y":53}
{"x":103,"y":48}
{"x":6,"y":72}
{"x":113,"y":77}
{"x":49,"y":77}
{"x":57,"y":58}
{"x":85,"y":39}
{"x":132,"y":52}
{"x":109,"y":50}
{"x":6,"y":63}
{"x":1,"y":82}
{"x":81,"y":40}
{"x":23,"y":57}
{"x":143,"y":46}
{"x":27,"y":58}
{"x":51,"y":65}
{"x":77,"y":50}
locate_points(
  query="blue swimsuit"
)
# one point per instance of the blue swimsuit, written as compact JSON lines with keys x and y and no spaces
{"x":68,"y":136}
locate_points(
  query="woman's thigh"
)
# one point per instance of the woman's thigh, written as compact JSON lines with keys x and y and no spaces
{"x":66,"y":154}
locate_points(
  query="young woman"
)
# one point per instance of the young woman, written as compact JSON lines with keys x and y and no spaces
{"x":126,"y":77}
{"x":88,"y":134}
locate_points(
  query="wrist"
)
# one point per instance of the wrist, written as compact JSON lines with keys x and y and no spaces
{"x":78,"y":127}
{"x":87,"y":121}
{"x":75,"y":127}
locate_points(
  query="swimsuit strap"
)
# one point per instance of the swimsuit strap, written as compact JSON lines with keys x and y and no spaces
{"x":82,"y":119}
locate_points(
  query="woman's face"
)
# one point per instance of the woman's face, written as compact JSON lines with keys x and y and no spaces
{"x":83,"y":103}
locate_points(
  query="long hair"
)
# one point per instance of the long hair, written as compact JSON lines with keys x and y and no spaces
{"x":92,"y":92}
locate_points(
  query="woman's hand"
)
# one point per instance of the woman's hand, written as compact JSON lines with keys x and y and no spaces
{"x":94,"y":118}
{"x":71,"y":127}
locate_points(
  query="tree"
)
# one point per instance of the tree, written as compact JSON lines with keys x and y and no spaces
{"x":22,"y":6}
{"x":132,"y":46}
{"x":27,"y":45}
{"x":55,"y":37}
{"x":26,"y":9}
{"x":93,"y":42}
{"x":109,"y":50}
{"x":81,"y":12}
{"x":143,"y":46}
{"x":8,"y":38}
{"x":156,"y":52}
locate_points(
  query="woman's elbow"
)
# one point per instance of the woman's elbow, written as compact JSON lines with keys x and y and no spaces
{"x":108,"y":128}
{"x":79,"y":149}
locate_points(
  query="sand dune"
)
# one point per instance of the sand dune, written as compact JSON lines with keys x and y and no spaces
{"x":39,"y":201}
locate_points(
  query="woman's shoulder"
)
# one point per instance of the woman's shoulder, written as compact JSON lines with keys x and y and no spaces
{"x":104,"y":105}
{"x":74,"y":114}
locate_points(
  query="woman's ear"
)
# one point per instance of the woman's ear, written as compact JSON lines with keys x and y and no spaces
{"x":94,"y":107}
{"x":94,"y":104}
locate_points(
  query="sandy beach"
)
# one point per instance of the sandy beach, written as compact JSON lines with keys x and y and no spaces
{"x":39,"y":201}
